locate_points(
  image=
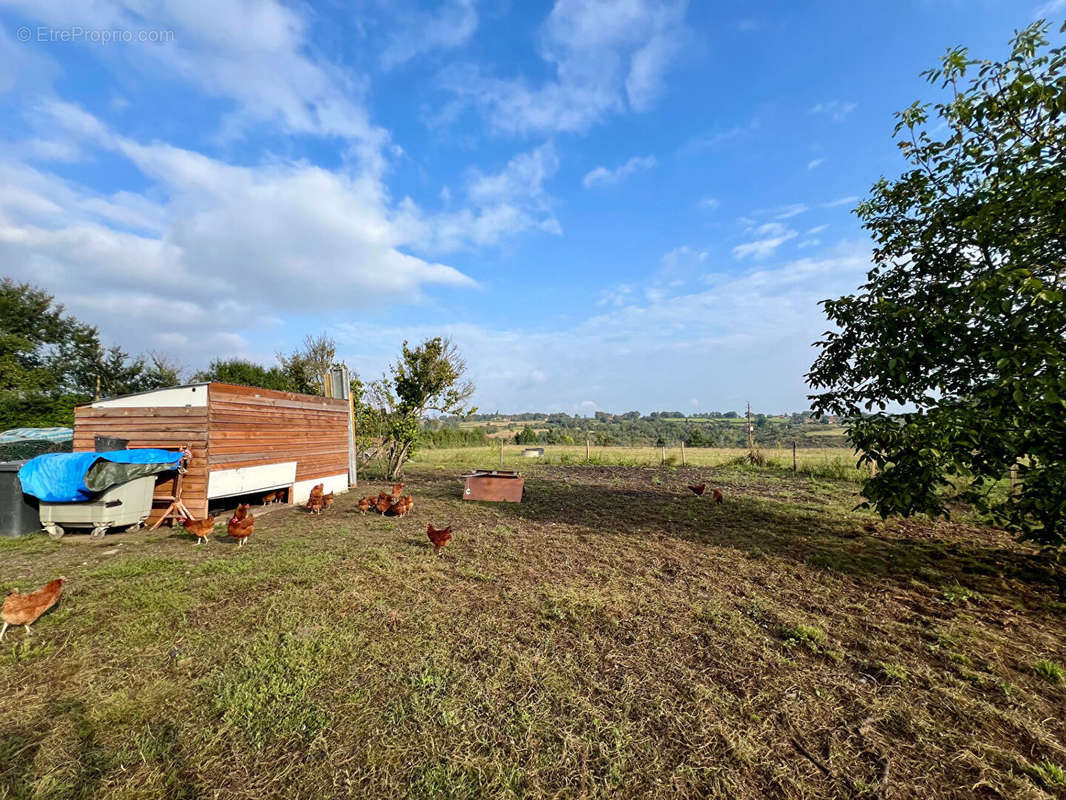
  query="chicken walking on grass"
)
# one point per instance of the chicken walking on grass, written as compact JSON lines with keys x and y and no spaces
{"x":718,"y":498}
{"x":328,"y":499}
{"x":241,"y":524}
{"x":698,"y":489}
{"x":26,"y":609}
{"x":200,"y":528}
{"x":439,"y":538}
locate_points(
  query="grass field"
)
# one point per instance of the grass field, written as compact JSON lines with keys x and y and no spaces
{"x":831,"y":462}
{"x":612,"y":635}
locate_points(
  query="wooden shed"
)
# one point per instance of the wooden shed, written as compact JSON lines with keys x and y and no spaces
{"x":243,"y":440}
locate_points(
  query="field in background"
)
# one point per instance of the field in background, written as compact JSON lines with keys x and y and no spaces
{"x":826,"y":462}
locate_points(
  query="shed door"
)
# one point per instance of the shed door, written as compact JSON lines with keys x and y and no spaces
{"x":247,"y":480}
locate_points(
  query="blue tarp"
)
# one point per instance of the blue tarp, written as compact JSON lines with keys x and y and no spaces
{"x":60,"y":477}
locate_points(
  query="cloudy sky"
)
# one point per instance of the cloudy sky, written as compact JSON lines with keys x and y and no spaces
{"x":608,"y":204}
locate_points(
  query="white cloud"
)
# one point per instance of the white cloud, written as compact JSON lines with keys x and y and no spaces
{"x":841,"y":201}
{"x":647,"y":73}
{"x":258,"y":55}
{"x":449,"y":26}
{"x":616,"y":295}
{"x":709,"y":203}
{"x":501,"y":204}
{"x":680,"y":266}
{"x":1050,"y":8}
{"x":524,"y":175}
{"x":700,"y":143}
{"x":602,"y":176}
{"x":756,"y":328}
{"x":605,"y":56}
{"x":773,"y":235}
{"x":836,"y":110}
{"x":789,"y":211}
{"x":213,"y":248}
{"x":816,"y":229}
{"x":814,"y":163}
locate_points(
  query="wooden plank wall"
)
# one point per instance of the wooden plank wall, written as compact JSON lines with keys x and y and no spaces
{"x":248,"y":427}
{"x":168,"y":428}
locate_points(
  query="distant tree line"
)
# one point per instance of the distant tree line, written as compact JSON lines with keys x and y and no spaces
{"x":633,"y":430}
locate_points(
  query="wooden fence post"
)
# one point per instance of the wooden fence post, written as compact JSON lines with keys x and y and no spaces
{"x":683,"y":462}
{"x":588,"y":452}
{"x":793,"y":456}
{"x":501,"y":453}
{"x":662,"y":458}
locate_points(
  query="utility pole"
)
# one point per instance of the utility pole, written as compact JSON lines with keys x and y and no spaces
{"x":751,"y":437}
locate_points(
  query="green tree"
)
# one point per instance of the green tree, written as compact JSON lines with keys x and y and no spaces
{"x":962,"y":316}
{"x":526,"y":436}
{"x":369,"y":420}
{"x":426,"y":378}
{"x":50,"y":361}
{"x":304,"y":368}
{"x":245,"y":373}
{"x":158,"y":373}
{"x":699,"y":438}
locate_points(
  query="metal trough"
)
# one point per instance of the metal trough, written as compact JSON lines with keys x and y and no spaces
{"x":496,"y":485}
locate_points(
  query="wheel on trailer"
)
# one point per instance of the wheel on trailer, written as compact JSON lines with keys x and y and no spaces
{"x":136,"y":526}
{"x":98,"y":533}
{"x":54,"y":531}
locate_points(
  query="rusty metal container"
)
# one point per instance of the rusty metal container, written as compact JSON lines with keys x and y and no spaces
{"x":496,"y":485}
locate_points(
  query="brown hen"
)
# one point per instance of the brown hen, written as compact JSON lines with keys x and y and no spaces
{"x":200,"y":528}
{"x":439,"y":538}
{"x":26,"y":609}
{"x":314,"y":500}
{"x":241,"y":524}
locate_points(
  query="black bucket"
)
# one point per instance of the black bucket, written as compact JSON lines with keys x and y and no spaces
{"x":18,"y":512}
{"x":105,"y":444}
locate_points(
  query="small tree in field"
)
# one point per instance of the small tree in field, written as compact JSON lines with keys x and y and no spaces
{"x":429,"y":377}
{"x":962,"y":317}
{"x":526,"y":436}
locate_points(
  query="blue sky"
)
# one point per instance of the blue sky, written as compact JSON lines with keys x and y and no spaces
{"x":612,"y":205}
